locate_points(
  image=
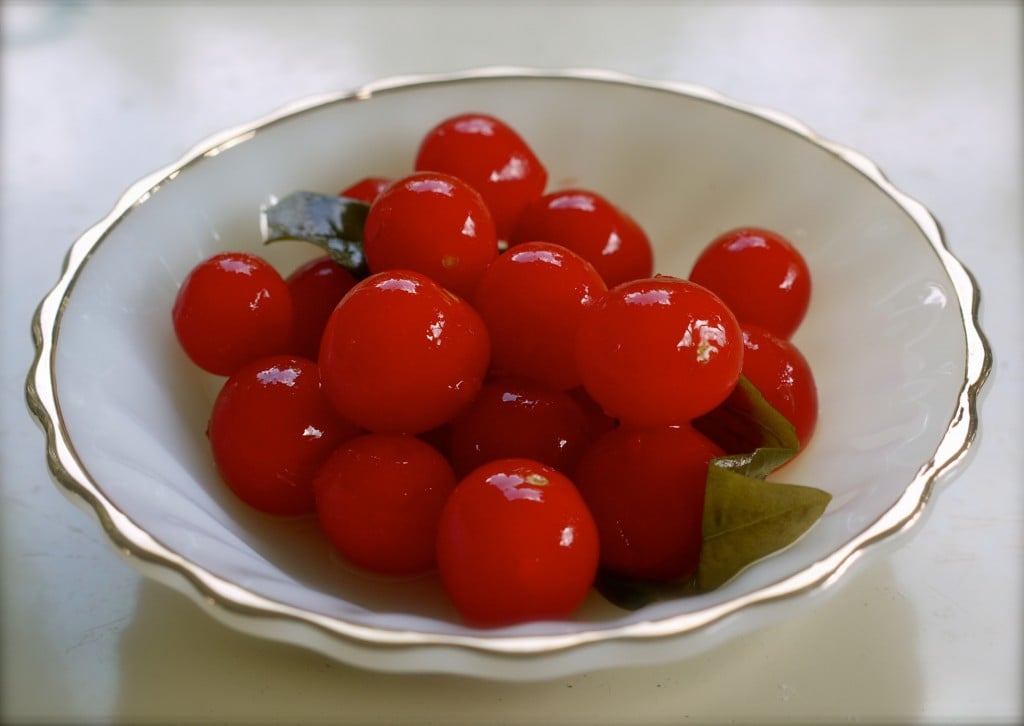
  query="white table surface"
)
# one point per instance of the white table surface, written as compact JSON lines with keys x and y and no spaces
{"x":97,"y":94}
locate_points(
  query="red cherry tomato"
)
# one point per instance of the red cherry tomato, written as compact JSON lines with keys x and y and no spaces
{"x":400,"y":354}
{"x":316,"y":288}
{"x":367,"y":189}
{"x":516,"y":543}
{"x":645,"y":489}
{"x":759,"y":275}
{"x":522,"y":419}
{"x":431,"y":223}
{"x":489,"y":156}
{"x":232,"y":309}
{"x":532,"y":299}
{"x":379,"y":499}
{"x":658,"y":352}
{"x":592,"y":227}
{"x":270,"y":430}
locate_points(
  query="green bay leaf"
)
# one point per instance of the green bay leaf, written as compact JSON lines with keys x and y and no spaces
{"x":745,"y":422}
{"x":746,"y":519}
{"x":333,"y":223}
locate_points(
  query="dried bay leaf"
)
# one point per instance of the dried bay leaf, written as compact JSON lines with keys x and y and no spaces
{"x":331,"y":222}
{"x":746,"y":519}
{"x":745,"y":422}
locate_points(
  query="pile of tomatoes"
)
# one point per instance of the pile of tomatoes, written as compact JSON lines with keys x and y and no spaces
{"x":508,"y":396}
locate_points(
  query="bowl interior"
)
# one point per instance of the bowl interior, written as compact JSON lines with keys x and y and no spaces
{"x":884,"y":334}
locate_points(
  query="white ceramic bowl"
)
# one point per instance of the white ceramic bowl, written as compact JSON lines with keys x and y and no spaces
{"x":892,"y":335}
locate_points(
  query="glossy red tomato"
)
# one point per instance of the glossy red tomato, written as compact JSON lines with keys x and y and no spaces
{"x":659,"y":351}
{"x":645,"y":489}
{"x":491,"y":157}
{"x":232,"y":309}
{"x":519,"y":418}
{"x":316,"y":288}
{"x":400,"y":354}
{"x":760,"y":275}
{"x":431,"y":223}
{"x":379,"y":499}
{"x":516,"y":543}
{"x":270,"y":430}
{"x":592,"y":227}
{"x":532,"y":299}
